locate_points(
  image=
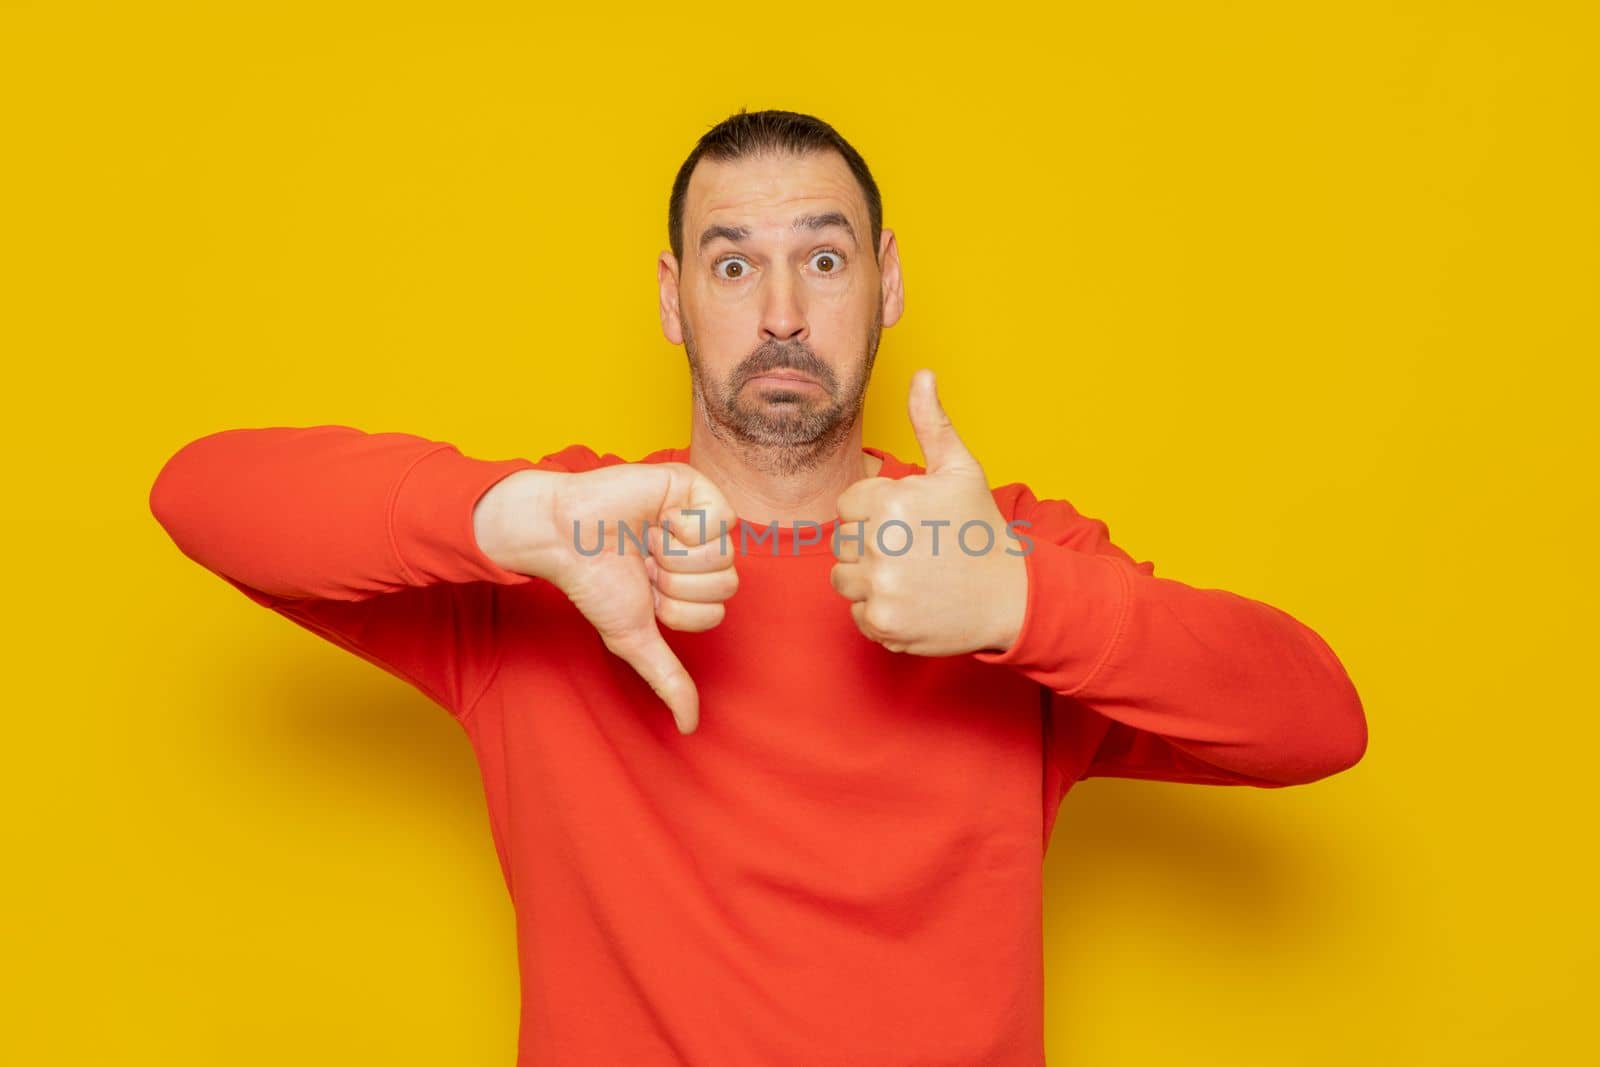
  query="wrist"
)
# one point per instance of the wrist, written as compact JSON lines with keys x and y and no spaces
{"x":514,"y":522}
{"x":1011,"y":607}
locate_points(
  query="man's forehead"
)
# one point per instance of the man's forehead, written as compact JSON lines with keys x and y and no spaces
{"x":771,"y":190}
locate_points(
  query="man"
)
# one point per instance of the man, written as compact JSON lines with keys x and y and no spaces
{"x":830,"y":851}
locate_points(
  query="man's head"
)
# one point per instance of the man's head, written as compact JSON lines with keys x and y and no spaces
{"x":779,"y":265}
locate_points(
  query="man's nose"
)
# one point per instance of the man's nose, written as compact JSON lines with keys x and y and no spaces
{"x":783,"y":313}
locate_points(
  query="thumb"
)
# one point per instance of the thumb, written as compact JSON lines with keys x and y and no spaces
{"x":654,"y":661}
{"x":942,"y":449}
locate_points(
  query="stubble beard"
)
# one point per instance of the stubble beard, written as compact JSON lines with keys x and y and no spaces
{"x":781,"y":431}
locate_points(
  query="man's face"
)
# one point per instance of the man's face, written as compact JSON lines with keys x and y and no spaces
{"x":779,"y":300}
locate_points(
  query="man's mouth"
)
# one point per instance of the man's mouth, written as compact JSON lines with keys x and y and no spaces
{"x":785,"y":377}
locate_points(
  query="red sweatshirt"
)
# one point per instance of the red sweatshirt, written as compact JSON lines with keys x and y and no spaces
{"x":842,"y":865}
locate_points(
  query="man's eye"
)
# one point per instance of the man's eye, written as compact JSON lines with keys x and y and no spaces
{"x":827,"y":261}
{"x":730,"y":268}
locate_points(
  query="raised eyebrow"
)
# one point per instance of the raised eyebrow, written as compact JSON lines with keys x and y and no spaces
{"x":824,"y":220}
{"x":732,"y":233}
{"x":818,"y":221}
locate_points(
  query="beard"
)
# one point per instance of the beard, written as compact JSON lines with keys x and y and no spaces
{"x":779,"y":430}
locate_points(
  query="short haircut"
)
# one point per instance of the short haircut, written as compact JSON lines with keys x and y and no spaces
{"x":753,"y":132}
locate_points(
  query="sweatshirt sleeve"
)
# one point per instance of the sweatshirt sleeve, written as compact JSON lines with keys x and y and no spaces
{"x":365,"y":539}
{"x":1148,"y":677}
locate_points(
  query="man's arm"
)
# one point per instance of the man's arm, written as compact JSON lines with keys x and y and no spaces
{"x":1153,"y":678}
{"x":366,"y":539}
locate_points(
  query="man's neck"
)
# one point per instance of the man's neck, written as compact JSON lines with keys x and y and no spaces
{"x":761,"y":496}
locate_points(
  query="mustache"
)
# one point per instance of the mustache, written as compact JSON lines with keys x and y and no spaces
{"x":778,"y":355}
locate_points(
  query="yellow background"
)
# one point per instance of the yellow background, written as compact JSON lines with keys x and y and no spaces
{"x":1300,"y":299}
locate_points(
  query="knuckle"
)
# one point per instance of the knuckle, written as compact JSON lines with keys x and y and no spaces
{"x":622,"y":642}
{"x":886,"y":581}
{"x":704,"y":617}
{"x":666,"y":582}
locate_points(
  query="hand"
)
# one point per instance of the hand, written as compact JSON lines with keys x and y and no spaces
{"x":681,"y":581}
{"x":936,"y":598}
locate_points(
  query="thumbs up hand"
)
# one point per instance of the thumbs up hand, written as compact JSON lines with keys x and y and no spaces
{"x":934,"y":571}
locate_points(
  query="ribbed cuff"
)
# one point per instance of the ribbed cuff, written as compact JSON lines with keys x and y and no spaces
{"x":1075,"y":611}
{"x":431,"y":520}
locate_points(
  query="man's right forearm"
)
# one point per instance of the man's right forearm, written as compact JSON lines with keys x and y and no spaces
{"x":330,"y":511}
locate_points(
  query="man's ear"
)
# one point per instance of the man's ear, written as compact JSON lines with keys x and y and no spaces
{"x":894,"y":294}
{"x":667,"y":282}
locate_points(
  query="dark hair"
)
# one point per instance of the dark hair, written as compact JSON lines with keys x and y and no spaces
{"x":752,"y":132}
